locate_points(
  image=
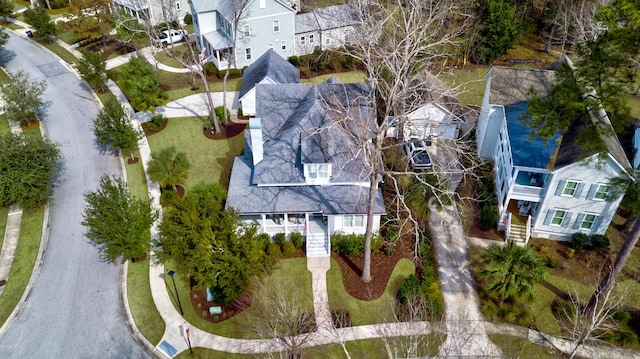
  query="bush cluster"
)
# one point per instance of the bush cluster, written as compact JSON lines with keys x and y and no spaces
{"x":349,"y":244}
{"x":156,"y":121}
{"x":233,"y":73}
{"x":188,"y":19}
{"x":296,"y":239}
{"x":274,"y":250}
{"x":58,"y":4}
{"x":279,"y":239}
{"x":581,"y":241}
{"x":288,"y":248}
{"x":320,"y":60}
{"x":488,"y":217}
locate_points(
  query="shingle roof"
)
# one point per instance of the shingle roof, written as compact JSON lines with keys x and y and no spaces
{"x":271,"y":65}
{"x":221,"y":6}
{"x":251,"y":199}
{"x":326,"y":18}
{"x":510,"y":85}
{"x":312,"y":123}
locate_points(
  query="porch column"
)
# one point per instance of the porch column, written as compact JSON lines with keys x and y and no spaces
{"x":263,"y":226}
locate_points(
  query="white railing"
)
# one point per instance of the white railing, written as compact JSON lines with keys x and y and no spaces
{"x":527,"y":190}
{"x":528,"y":232}
{"x":507,"y":223}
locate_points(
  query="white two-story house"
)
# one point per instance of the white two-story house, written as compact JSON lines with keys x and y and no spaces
{"x":546,"y":189}
{"x":264,"y":25}
{"x":155,"y":11}
{"x":303,"y":168}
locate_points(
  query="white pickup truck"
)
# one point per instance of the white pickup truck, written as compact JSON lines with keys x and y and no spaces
{"x":170,"y":37}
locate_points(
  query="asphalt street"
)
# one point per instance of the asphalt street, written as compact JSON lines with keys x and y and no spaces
{"x":74,"y":310}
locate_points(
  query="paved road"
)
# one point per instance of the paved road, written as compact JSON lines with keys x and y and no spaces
{"x":74,"y":310}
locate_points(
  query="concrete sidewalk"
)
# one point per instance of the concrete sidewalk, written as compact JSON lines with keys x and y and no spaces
{"x":9,"y":245}
{"x":148,"y":53}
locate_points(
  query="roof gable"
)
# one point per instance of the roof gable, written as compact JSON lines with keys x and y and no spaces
{"x":270,"y":65}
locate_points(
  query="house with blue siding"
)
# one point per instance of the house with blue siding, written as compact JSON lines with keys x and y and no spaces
{"x":266,"y":25}
{"x":546,"y":189}
{"x":303,"y":169}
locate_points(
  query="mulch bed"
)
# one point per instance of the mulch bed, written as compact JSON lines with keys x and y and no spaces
{"x":382,"y":266}
{"x":233,"y":129}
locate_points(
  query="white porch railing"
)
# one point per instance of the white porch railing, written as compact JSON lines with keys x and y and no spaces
{"x":528,"y":232}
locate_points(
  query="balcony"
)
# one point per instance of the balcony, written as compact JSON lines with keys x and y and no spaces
{"x":528,"y":186}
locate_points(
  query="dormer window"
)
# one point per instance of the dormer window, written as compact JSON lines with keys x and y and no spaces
{"x":317,"y":172}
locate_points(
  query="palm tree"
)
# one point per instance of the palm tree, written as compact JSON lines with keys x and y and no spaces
{"x":168,"y":167}
{"x":512,"y":271}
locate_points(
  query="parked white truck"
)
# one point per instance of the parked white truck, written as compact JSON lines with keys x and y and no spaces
{"x":170,"y":37}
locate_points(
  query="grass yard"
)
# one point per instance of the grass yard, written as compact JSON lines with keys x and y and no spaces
{"x":4,"y":77}
{"x":61,"y":52}
{"x":368,"y":348}
{"x":25,"y":258}
{"x":4,"y":125}
{"x":143,"y":308}
{"x":238,"y":326}
{"x":13,"y":26}
{"x":4,"y":212}
{"x":136,"y":178}
{"x":362,"y":312}
{"x":468,"y":82}
{"x":210,"y":160}
{"x":165,"y":59}
{"x":344,"y":77}
{"x":513,"y":347}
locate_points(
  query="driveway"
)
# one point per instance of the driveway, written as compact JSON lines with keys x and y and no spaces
{"x":74,"y":310}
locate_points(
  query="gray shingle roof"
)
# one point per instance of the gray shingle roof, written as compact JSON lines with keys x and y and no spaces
{"x":221,"y":6}
{"x":326,"y":18}
{"x":312,"y":123}
{"x":251,"y":199}
{"x":271,"y":65}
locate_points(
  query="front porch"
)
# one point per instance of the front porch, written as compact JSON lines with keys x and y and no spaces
{"x":516,"y":221}
{"x":313,"y":227}
{"x":218,"y":49}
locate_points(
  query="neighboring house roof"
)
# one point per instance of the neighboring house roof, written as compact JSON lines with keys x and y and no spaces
{"x":307,"y":123}
{"x":327,"y":18}
{"x":222,"y":6}
{"x":313,"y":123}
{"x":511,"y":88}
{"x":270,"y":65}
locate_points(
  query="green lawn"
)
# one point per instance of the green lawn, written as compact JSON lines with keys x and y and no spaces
{"x":379,"y":310}
{"x":513,"y":347}
{"x":13,"y":26}
{"x":143,"y":308}
{"x":25,"y":258}
{"x":468,"y":82}
{"x":4,"y":212}
{"x":61,"y":52}
{"x":4,"y":125}
{"x":4,"y":76}
{"x":344,"y":77}
{"x":368,"y":348}
{"x":238,"y":326}
{"x":163,"y":58}
{"x":136,"y":177}
{"x":210,"y":160}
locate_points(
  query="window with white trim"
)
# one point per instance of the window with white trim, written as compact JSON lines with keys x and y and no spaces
{"x":320,"y":171}
{"x":283,"y":46}
{"x":270,"y":45}
{"x":602,"y":192}
{"x":276,"y":25}
{"x":178,"y":6}
{"x":558,"y":217}
{"x":570,"y":188}
{"x":246,"y":31}
{"x":247,"y":53}
{"x":327,"y":41}
{"x":302,"y":40}
{"x":588,"y":221}
{"x":353,"y":221}
{"x":311,"y":38}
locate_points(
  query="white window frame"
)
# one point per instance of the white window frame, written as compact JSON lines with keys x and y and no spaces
{"x":353,"y":221}
{"x":590,"y":222}
{"x":318,"y":171}
{"x":283,"y":45}
{"x":270,"y":45}
{"x":327,"y":40}
{"x":178,"y":6}
{"x":302,"y":40}
{"x":600,"y":192}
{"x":247,"y":53}
{"x":276,"y":26}
{"x":311,"y":38}
{"x":246,"y":30}
{"x":571,"y":190}
{"x":558,"y":218}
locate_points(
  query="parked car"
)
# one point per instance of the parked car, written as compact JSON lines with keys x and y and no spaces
{"x":170,"y":37}
{"x":417,"y":153}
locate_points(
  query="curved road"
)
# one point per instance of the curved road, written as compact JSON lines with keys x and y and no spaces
{"x":74,"y":310}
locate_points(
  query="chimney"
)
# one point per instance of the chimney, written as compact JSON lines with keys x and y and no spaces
{"x":255,"y":132}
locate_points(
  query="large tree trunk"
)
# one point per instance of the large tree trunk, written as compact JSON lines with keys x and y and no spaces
{"x":366,"y":262}
{"x":609,"y":280}
{"x":212,"y":109}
